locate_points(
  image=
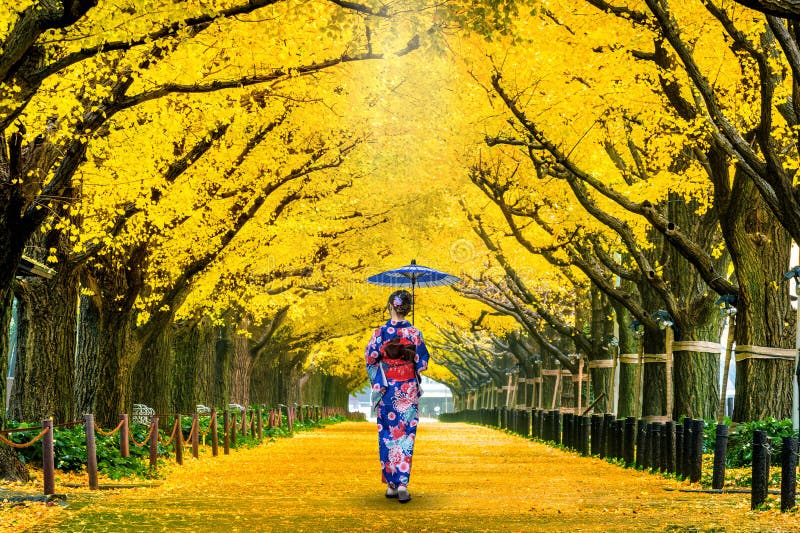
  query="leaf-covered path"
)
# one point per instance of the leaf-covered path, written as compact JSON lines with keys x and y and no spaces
{"x":465,"y":478}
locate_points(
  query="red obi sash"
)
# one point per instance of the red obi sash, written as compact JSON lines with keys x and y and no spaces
{"x":399,"y":370}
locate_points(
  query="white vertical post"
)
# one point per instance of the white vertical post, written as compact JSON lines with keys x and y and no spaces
{"x":668,"y":334}
{"x":580,"y":382}
{"x":637,"y":411}
{"x":795,"y":388}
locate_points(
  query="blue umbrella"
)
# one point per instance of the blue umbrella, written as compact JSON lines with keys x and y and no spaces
{"x":413,"y":276}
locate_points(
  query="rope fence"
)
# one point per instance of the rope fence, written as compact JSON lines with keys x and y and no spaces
{"x":143,"y":415}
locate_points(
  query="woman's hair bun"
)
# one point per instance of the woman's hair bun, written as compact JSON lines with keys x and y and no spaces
{"x":400,"y":301}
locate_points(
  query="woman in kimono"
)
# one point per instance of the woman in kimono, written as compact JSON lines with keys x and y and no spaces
{"x":395,"y":355}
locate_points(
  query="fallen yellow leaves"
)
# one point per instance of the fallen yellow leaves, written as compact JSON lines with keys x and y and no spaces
{"x":465,"y":478}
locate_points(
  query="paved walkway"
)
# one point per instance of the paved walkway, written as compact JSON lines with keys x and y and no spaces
{"x":465,"y":478}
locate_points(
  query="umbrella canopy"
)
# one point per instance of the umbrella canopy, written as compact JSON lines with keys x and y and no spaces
{"x":413,"y":276}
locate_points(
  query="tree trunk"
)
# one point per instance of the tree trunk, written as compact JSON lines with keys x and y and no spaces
{"x":760,"y":248}
{"x":6,"y":306}
{"x":119,"y":351}
{"x":194,"y":366}
{"x":46,"y":348}
{"x":627,"y":389}
{"x":628,"y":343}
{"x":11,"y":468}
{"x":87,"y":356}
{"x":223,"y":350}
{"x":602,"y":328}
{"x":242,"y":370}
{"x":695,"y":374}
{"x":154,"y":371}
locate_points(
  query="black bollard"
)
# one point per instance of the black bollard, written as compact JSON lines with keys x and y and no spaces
{"x":720,"y":451}
{"x":611,"y":440}
{"x":570,"y":432}
{"x":647,"y":446}
{"x":541,"y":422}
{"x":619,"y":447}
{"x":679,"y":450}
{"x":586,"y":433}
{"x":641,"y":444}
{"x":760,"y":469}
{"x":628,"y":440}
{"x":547,"y":426}
{"x":688,"y":428}
{"x":669,"y":429}
{"x":576,"y":432}
{"x":555,"y":420}
{"x":608,"y":436}
{"x":567,"y":439}
{"x":596,"y":433}
{"x":697,"y":451}
{"x":788,"y":473}
{"x":663,"y":465}
{"x":655,"y":464}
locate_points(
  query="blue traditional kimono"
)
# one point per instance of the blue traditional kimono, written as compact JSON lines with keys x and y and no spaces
{"x":395,"y":393}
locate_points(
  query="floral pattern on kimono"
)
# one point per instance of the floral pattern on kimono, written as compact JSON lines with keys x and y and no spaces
{"x":396,"y":400}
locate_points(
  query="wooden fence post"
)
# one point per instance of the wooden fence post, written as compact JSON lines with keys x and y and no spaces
{"x":226,"y":442}
{"x":178,"y":441}
{"x":260,"y":424}
{"x":48,"y":459}
{"x":124,"y":444}
{"x":153,"y":443}
{"x":91,"y":451}
{"x":212,"y":427}
{"x":196,"y":436}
